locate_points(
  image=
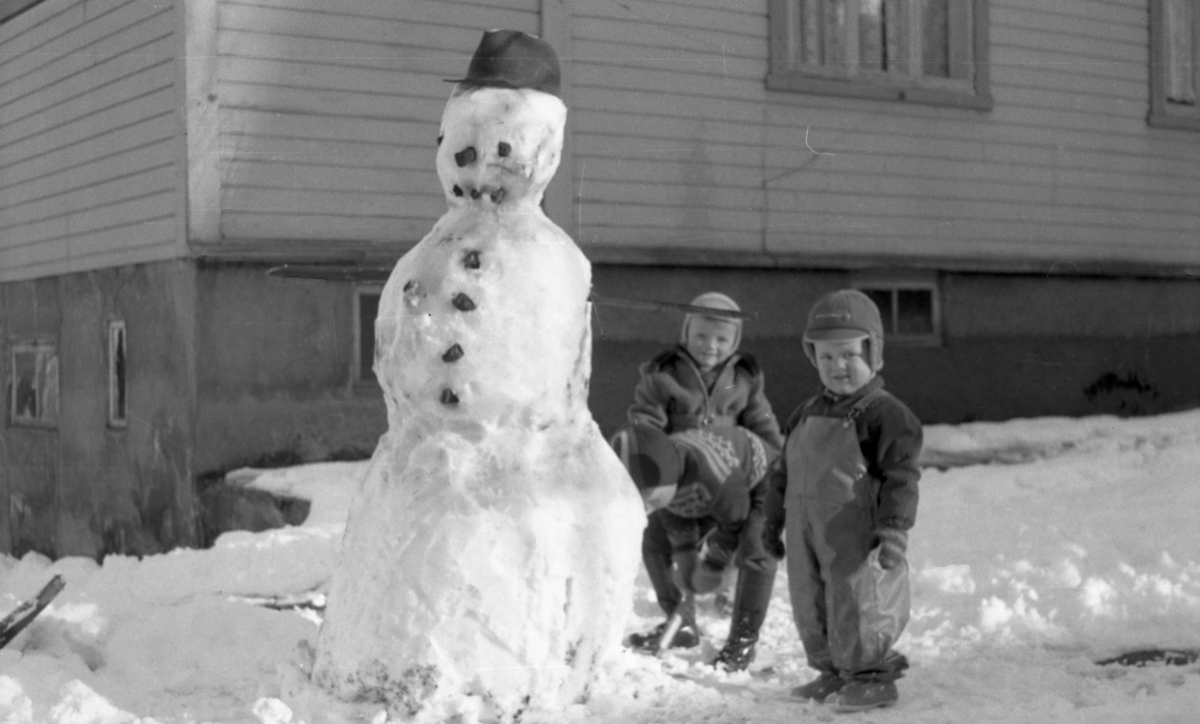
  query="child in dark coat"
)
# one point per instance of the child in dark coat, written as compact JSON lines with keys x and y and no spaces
{"x":700,"y":383}
{"x":845,"y":490}
{"x":703,"y":381}
{"x":707,"y":488}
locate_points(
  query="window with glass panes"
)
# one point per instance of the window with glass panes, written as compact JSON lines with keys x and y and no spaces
{"x":926,"y":51}
{"x":909,"y":311}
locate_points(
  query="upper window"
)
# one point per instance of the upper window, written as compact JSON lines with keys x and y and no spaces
{"x":923,"y":51}
{"x":1175,"y":63}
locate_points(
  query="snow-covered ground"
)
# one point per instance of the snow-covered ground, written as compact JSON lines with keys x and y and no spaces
{"x":1042,"y":547}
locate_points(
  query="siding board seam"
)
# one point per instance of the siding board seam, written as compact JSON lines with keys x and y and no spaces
{"x":93,"y":231}
{"x":103,"y":132}
{"x":46,"y":109}
{"x":45,"y":130}
{"x":76,"y":189}
{"x":55,"y":57}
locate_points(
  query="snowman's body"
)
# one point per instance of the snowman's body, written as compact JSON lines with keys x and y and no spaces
{"x":490,"y":557}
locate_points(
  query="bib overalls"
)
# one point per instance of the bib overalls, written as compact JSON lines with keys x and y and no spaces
{"x":849,"y":611}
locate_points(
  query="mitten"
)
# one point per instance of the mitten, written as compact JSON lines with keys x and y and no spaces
{"x":773,"y":520}
{"x":893,"y":542}
{"x":772,"y":539}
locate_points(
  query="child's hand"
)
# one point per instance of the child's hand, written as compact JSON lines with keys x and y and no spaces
{"x":893,"y":543}
{"x":772,"y":534}
{"x":773,"y":542}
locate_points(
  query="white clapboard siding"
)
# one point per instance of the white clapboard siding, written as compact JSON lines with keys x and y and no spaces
{"x":329,"y":113}
{"x":671,"y":94}
{"x":87,"y":149}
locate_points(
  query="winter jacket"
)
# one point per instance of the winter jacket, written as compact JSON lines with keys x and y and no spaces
{"x":673,"y":396}
{"x":890,"y":437}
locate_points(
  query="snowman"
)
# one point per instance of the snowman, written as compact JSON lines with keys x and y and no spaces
{"x":488,"y":563}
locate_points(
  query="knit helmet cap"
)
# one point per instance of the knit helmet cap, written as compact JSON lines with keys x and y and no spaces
{"x":714,"y":300}
{"x":845,"y":315}
{"x":653,"y":461}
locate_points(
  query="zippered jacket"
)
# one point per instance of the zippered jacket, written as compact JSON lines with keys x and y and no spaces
{"x":673,"y":396}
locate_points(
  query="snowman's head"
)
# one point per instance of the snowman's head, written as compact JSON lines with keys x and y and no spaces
{"x":499,"y":147}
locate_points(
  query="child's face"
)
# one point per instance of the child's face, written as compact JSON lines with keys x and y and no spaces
{"x":710,"y":341}
{"x":842,"y":367}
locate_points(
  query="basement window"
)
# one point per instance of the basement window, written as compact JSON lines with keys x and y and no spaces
{"x":909,"y":308}
{"x":33,"y":385}
{"x":366,"y":308}
{"x":118,"y":414}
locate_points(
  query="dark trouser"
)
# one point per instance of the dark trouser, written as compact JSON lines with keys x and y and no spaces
{"x":849,"y":611}
{"x":657,"y":556}
{"x":668,"y":536}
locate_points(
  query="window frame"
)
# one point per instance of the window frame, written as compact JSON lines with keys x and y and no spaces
{"x":41,"y":388}
{"x":1165,"y":113}
{"x":906,"y":281}
{"x":361,"y":291}
{"x":118,"y":374}
{"x":787,"y":74}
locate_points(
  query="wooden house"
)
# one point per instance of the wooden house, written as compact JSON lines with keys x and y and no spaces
{"x":1016,"y":182}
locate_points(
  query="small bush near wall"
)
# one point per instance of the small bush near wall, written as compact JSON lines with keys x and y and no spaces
{"x":1123,"y":394}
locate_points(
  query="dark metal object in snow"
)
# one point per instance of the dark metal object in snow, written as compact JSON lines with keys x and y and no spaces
{"x":28,"y":610}
{"x":310,"y":600}
{"x":651,"y":305}
{"x":380,"y":273}
{"x":1143,"y":657}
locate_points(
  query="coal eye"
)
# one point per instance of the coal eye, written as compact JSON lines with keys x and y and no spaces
{"x":504,"y":149}
{"x":465,"y":156}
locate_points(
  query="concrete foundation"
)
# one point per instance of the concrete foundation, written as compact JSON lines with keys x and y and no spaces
{"x":227,"y":366}
{"x":275,"y":360}
{"x":1012,"y":345}
{"x":82,"y":487}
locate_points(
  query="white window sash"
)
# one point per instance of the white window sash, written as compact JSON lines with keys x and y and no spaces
{"x":1182,"y":56}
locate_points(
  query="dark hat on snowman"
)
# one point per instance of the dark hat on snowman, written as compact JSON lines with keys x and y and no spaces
{"x":513,"y":59}
{"x":653,"y":461}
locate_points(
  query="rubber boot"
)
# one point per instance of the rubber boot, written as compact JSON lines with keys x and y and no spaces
{"x":750,"y":603}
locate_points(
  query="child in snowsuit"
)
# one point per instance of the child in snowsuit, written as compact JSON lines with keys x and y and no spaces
{"x":847,"y":481}
{"x":700,"y":383}
{"x":706,"y":486}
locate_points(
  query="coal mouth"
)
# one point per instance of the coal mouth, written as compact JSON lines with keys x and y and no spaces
{"x":1154,"y":657}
